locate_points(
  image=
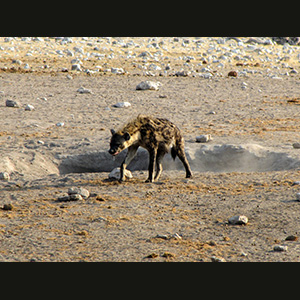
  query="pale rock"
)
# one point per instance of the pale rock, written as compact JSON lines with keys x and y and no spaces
{"x":83,"y":90}
{"x":148,"y":85}
{"x":29,"y":107}
{"x":118,"y":71}
{"x":122,"y":104}
{"x":115,"y":174}
{"x":279,"y":248}
{"x":4,"y":176}
{"x":203,"y":138}
{"x":238,"y":220}
{"x":76,"y":67}
{"x":79,"y":190}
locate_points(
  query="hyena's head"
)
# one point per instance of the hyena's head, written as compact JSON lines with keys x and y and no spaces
{"x":118,"y":142}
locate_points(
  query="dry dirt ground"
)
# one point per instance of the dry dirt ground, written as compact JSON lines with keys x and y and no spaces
{"x":249,"y":168}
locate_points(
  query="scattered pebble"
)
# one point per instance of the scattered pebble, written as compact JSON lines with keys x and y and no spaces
{"x":291,"y":238}
{"x":279,"y":248}
{"x":115,"y":174}
{"x":117,"y":71}
{"x":182,"y":73}
{"x":296,"y":183}
{"x":60,"y":124}
{"x":296,"y":145}
{"x":148,"y":85}
{"x":238,"y":220}
{"x":74,"y":194}
{"x":75,"y":197}
{"x":217,"y":259}
{"x":76,"y":67}
{"x":161,"y":236}
{"x":29,"y":107}
{"x":83,"y":90}
{"x":122,"y":104}
{"x":79,"y":190}
{"x":203,"y":138}
{"x":7,"y":207}
{"x":4,"y":176}
{"x":12,"y":103}
{"x":233,"y":74}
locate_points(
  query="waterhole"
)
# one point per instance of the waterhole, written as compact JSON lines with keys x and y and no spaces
{"x":213,"y":158}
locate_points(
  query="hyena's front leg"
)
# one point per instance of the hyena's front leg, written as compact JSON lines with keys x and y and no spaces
{"x":130,"y":155}
{"x":152,"y":158}
{"x":159,"y":157}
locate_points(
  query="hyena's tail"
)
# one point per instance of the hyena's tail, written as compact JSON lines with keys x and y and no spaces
{"x":173,"y":152}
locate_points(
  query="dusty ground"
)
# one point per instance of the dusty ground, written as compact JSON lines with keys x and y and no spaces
{"x":137,"y":221}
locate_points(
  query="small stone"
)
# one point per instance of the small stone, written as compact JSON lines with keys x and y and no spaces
{"x":233,"y":74}
{"x":75,"y":197}
{"x":161,"y":236}
{"x":60,"y":124}
{"x":76,"y":67}
{"x":79,"y":190}
{"x":280,"y":248}
{"x":122,"y":104}
{"x":176,"y":236}
{"x":212,"y":112}
{"x":83,"y":90}
{"x":63,"y":198}
{"x":29,"y":107}
{"x":12,"y":103}
{"x":4,"y":176}
{"x":7,"y":207}
{"x":148,"y":85}
{"x":118,"y":71}
{"x":238,"y":220}
{"x":296,"y":145}
{"x":203,"y":138}
{"x":291,"y":238}
{"x":217,"y":259}
{"x":298,"y":196}
{"x":115,"y":174}
{"x":182,"y":73}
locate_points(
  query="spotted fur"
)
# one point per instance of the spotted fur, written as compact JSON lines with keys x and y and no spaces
{"x":157,"y":135}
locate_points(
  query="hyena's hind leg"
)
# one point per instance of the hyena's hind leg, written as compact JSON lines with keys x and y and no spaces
{"x":181,"y":155}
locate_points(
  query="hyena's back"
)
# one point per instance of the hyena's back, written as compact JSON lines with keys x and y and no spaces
{"x":155,"y":132}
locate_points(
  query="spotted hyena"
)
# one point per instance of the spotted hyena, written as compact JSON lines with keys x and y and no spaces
{"x":157,"y":135}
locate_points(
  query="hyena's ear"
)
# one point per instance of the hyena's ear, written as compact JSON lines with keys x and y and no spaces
{"x":126,"y":136}
{"x":112,"y":131}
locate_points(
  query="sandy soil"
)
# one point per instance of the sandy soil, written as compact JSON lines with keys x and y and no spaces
{"x":175,"y":219}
